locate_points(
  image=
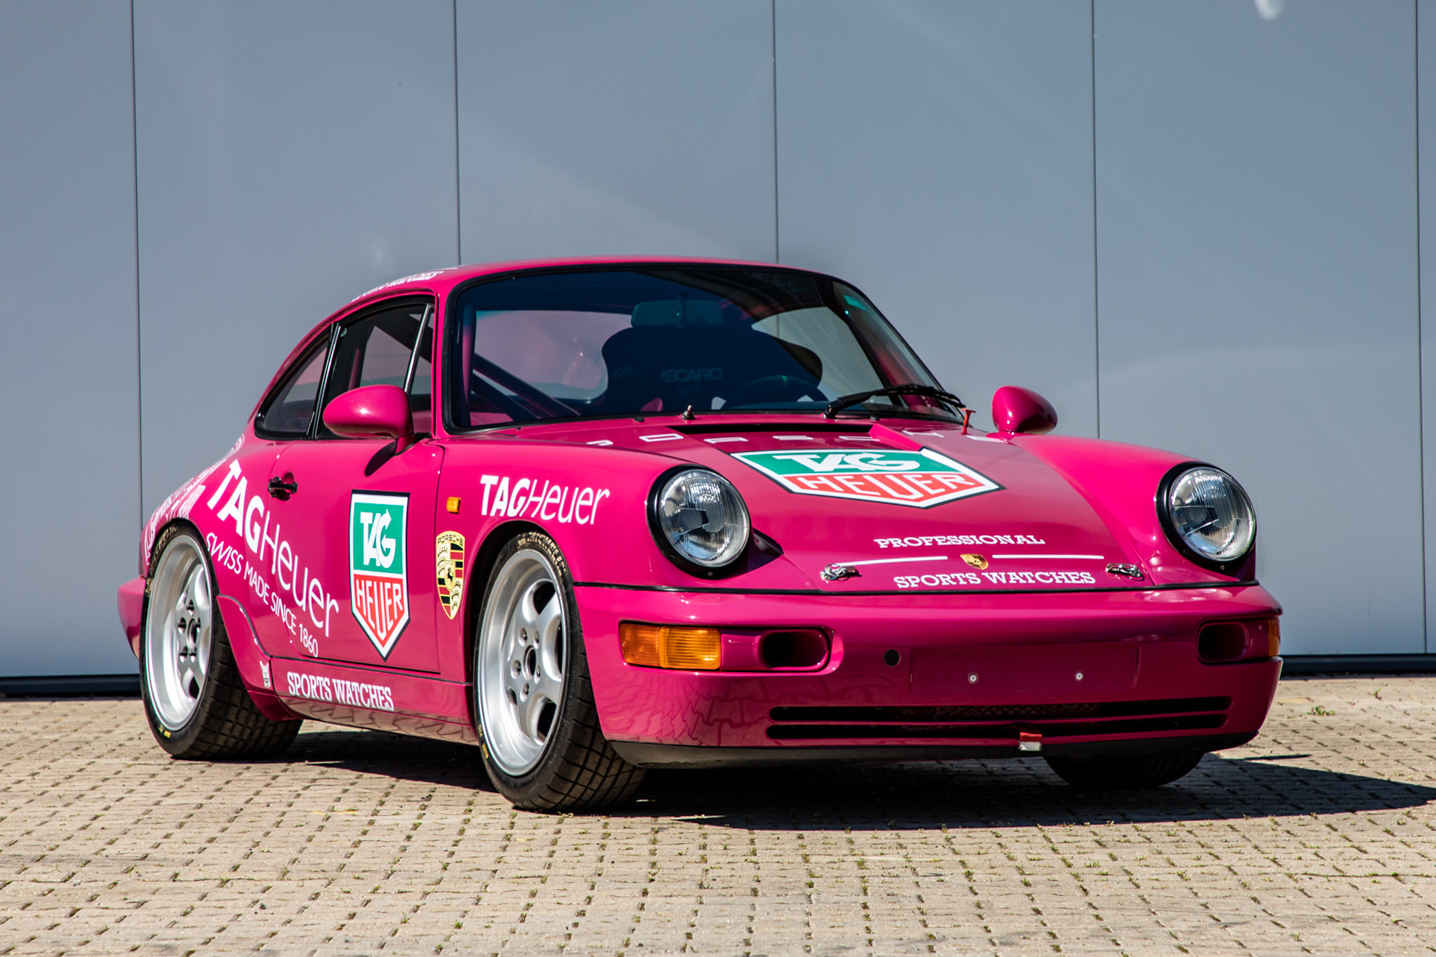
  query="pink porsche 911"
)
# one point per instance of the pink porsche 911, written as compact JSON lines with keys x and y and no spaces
{"x":605,"y":515}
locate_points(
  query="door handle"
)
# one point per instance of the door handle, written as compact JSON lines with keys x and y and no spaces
{"x":280,"y":489}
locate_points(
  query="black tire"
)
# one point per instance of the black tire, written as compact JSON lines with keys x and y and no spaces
{"x":577,"y":768}
{"x":225,"y":722}
{"x":1124,"y":772}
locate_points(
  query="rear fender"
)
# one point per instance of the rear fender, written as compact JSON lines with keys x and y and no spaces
{"x":249,"y":657}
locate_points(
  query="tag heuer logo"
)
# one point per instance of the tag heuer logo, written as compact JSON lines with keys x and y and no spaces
{"x":920,"y":479}
{"x":379,"y":566}
{"x":449,"y":565}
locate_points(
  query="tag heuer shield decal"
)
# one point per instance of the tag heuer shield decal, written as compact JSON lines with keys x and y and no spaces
{"x":449,"y":566}
{"x":379,"y":566}
{"x":919,"y":479}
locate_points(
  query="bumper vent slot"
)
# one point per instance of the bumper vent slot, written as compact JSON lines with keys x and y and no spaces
{"x":999,"y":721}
{"x":1190,"y":722}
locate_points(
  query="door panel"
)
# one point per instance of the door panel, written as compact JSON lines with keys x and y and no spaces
{"x":360,"y":526}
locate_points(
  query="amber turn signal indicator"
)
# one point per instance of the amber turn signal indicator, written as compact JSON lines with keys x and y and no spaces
{"x":1273,"y":637}
{"x":671,"y":646}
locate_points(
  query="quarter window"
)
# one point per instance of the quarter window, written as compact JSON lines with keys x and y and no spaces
{"x":291,"y":410}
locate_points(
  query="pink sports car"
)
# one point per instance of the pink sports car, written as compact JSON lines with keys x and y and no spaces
{"x":603,"y":515}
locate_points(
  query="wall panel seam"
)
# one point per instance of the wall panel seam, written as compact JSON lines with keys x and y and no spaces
{"x":773,"y":49}
{"x":458,"y":167}
{"x":139,"y":328}
{"x":1420,"y":364}
{"x":1096,"y":276}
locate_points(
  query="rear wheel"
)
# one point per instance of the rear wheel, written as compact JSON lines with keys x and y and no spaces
{"x":196,"y":704}
{"x":1124,"y":772}
{"x":542,"y":745}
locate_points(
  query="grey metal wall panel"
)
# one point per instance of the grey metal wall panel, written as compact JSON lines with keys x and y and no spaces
{"x":939,"y":155}
{"x":291,"y":156}
{"x":634,"y":127}
{"x":1256,"y":192}
{"x":67,"y":305}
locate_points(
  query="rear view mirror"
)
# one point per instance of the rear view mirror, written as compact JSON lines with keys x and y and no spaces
{"x":372,"y":410}
{"x":1015,"y":409}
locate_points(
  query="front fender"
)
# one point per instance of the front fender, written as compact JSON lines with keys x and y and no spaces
{"x":498,"y":484}
{"x":1120,"y":481}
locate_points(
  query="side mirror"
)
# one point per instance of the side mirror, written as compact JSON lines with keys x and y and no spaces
{"x":1015,"y":409}
{"x":370,"y":411}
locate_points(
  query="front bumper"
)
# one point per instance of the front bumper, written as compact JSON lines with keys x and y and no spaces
{"x":1072,"y":672}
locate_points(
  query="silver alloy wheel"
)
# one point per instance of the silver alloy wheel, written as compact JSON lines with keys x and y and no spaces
{"x":521,"y":661}
{"x":178,"y":632}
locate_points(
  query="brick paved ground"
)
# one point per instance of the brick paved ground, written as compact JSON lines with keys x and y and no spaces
{"x":1317,"y":838}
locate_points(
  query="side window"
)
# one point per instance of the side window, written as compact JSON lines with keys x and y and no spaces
{"x":376,"y":350}
{"x":289,"y":412}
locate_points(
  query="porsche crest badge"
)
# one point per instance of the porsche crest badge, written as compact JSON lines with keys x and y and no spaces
{"x":976,"y":561}
{"x":449,"y":566}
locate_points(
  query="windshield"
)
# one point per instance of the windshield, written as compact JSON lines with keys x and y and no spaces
{"x":664,"y":339}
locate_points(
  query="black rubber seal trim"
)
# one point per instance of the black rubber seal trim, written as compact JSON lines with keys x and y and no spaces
{"x":1358,"y":664}
{"x":71,"y":686}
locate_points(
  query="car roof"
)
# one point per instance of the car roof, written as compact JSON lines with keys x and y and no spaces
{"x":443,"y":280}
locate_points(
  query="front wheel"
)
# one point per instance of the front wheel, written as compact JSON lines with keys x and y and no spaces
{"x":1124,"y":772}
{"x":196,"y":704}
{"x":541,"y":741}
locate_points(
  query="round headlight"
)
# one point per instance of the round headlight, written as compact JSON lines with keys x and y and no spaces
{"x":1210,"y":514}
{"x":701,"y":516}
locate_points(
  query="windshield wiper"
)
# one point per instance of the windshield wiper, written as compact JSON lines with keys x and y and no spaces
{"x":911,"y":388}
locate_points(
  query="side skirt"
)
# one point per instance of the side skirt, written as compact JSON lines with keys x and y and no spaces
{"x":371,"y":698}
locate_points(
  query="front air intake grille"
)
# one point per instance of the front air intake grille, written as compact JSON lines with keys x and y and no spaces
{"x":999,"y":721}
{"x":1189,"y":722}
{"x":1001,"y":712}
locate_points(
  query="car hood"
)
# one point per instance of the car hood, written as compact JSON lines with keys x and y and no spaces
{"x":897,"y":506}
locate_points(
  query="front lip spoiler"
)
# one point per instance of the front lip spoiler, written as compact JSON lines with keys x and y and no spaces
{"x":1178,"y":586}
{"x":646,"y":755}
